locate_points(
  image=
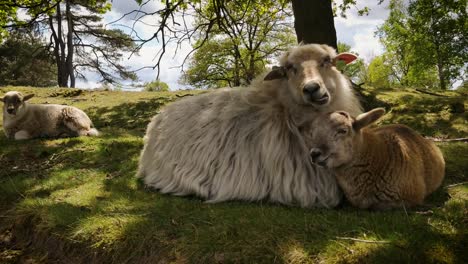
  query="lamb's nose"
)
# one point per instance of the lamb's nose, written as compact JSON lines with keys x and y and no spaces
{"x":312,"y":88}
{"x":10,"y":110}
{"x":315,"y":153}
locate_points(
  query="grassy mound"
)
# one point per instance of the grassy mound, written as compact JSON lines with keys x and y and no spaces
{"x":77,"y":200}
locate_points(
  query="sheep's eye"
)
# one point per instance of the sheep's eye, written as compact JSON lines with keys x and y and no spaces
{"x":291,"y":67}
{"x":326,"y":62}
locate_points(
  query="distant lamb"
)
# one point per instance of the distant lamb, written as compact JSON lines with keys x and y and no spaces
{"x":22,"y":120}
{"x":377,"y":168}
{"x":245,"y":143}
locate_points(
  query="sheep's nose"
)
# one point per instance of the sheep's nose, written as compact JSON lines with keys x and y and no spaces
{"x":315,"y":153}
{"x":312,"y":89}
{"x":10,"y":110}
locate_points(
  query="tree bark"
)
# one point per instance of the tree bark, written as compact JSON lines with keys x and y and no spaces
{"x":440,"y":66}
{"x":314,"y":22}
{"x":54,"y":39}
{"x":59,"y":48}
{"x":70,"y":47}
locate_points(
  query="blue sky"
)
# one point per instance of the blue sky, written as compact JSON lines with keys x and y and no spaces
{"x":357,"y":31}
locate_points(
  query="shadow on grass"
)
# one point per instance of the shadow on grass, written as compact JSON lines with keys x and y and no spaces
{"x":131,"y":116}
{"x":369,"y":99}
{"x":429,"y":115}
{"x":81,"y":197}
{"x":90,"y":205}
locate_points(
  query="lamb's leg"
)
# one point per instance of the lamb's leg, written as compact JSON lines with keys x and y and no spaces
{"x":91,"y":132}
{"x":22,"y":135}
{"x":77,"y":121}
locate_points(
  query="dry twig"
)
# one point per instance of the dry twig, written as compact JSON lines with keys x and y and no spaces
{"x":364,"y":241}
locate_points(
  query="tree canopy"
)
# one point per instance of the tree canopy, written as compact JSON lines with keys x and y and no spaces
{"x":241,"y":46}
{"x":26,"y":60}
{"x":313,"y":20}
{"x":426,"y":42}
{"x":156,"y":86}
{"x":79,"y":40}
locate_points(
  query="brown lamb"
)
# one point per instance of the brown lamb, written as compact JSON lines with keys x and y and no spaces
{"x":377,"y":168}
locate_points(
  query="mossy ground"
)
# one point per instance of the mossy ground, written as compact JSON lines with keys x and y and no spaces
{"x":77,"y":200}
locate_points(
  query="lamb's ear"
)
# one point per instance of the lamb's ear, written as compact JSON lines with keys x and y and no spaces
{"x":27,"y":97}
{"x":346,"y":57}
{"x":368,"y":118}
{"x":276,"y":73}
{"x":340,"y":115}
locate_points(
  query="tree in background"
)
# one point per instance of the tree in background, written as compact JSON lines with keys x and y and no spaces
{"x":395,"y":36}
{"x":156,"y":86}
{"x":426,"y":42}
{"x":26,"y":60}
{"x":440,"y":29}
{"x":9,"y":13}
{"x":241,"y":45}
{"x":313,"y":20}
{"x":79,"y":40}
{"x":379,"y":73}
{"x":211,"y":66}
{"x":7,"y":16}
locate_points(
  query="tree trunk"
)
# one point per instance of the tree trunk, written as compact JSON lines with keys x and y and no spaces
{"x":443,"y":84}
{"x":440,"y":66}
{"x":56,"y":50}
{"x":314,"y":22}
{"x":59,"y":48}
{"x":70,"y":47}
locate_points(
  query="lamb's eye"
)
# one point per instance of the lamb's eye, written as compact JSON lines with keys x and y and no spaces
{"x":342,"y":131}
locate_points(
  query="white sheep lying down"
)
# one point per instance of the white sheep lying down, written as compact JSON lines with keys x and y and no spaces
{"x":245,"y":143}
{"x":22,"y":120}
{"x":377,"y":168}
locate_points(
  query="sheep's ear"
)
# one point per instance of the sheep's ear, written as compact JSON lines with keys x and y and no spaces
{"x":27,"y":97}
{"x":368,"y":118}
{"x":346,"y":57}
{"x":276,"y":73}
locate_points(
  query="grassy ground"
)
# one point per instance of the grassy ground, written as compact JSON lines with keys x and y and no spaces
{"x":76,"y":200}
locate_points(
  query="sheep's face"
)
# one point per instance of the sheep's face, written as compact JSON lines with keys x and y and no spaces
{"x":333,"y":138}
{"x":310,"y":72}
{"x":13,"y":102}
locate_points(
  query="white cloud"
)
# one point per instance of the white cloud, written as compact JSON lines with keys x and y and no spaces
{"x":169,"y":70}
{"x":359,"y":31}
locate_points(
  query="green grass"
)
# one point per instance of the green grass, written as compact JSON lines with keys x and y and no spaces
{"x":439,"y":116}
{"x":77,"y":200}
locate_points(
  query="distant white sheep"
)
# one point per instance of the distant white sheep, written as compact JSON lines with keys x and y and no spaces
{"x":22,"y":120}
{"x":377,"y":168}
{"x":245,"y":143}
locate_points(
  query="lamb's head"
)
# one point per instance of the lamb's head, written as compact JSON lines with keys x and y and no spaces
{"x":333,"y":138}
{"x":13,"y":102}
{"x":311,"y":73}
